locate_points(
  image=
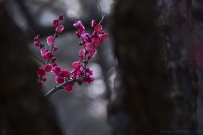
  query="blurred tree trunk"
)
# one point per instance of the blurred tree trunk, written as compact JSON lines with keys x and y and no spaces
{"x":158,"y":91}
{"x":24,"y":109}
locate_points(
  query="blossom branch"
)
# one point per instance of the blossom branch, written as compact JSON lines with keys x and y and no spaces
{"x":61,"y":86}
{"x":80,"y":73}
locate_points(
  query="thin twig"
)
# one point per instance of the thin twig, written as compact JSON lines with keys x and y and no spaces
{"x":61,"y":86}
{"x":100,"y":9}
{"x":33,"y":32}
{"x":37,"y":58}
{"x":101,"y":12}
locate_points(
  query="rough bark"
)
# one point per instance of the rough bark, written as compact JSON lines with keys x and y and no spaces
{"x":158,"y":90}
{"x":141,"y":102}
{"x":176,"y":43}
{"x":24,"y":109}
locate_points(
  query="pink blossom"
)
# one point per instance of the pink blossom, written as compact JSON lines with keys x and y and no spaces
{"x":93,"y":23}
{"x":55,"y":22}
{"x":61,"y":17}
{"x":89,"y":79}
{"x":104,"y":37}
{"x":88,"y":71}
{"x":79,"y":33}
{"x":69,"y":87}
{"x":95,"y":35}
{"x":50,"y":40}
{"x":96,"y":42}
{"x":54,"y":64}
{"x":59,"y":29}
{"x":41,"y":72}
{"x":61,"y":74}
{"x":53,"y":59}
{"x":55,"y":48}
{"x":89,"y":47}
{"x":66,"y":72}
{"x":74,"y":72}
{"x":55,"y":70}
{"x":36,"y":43}
{"x":43,"y":52}
{"x":76,"y":64}
{"x":47,"y":67}
{"x":98,"y":28}
{"x":80,"y":73}
{"x":85,"y":37}
{"x":48,"y":55}
{"x":89,"y":74}
{"x":81,"y":53}
{"x":44,"y":79}
{"x":59,"y":80}
{"x":79,"y":25}
{"x":36,"y":39}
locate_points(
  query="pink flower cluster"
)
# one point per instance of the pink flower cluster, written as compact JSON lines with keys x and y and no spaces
{"x":89,"y":43}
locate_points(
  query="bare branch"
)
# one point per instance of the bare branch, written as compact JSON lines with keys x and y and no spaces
{"x":100,"y":11}
{"x":37,"y":58}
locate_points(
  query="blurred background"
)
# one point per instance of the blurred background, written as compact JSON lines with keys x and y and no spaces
{"x":83,"y":111}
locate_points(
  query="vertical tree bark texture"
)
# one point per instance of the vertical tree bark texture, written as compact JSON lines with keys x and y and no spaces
{"x":177,"y":51}
{"x":158,"y":91}
{"x":142,"y":94}
{"x":24,"y":109}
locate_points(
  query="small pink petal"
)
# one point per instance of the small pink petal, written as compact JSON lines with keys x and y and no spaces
{"x":98,"y":28}
{"x":59,"y":29}
{"x":50,"y":40}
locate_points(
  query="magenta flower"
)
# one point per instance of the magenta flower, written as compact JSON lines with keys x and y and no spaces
{"x":41,"y":72}
{"x":50,"y":40}
{"x":96,"y":42}
{"x":98,"y":28}
{"x":59,"y":80}
{"x":47,"y":67}
{"x":81,"y":53}
{"x":48,"y":55}
{"x":79,"y":25}
{"x":36,"y":43}
{"x":44,"y":79}
{"x":89,"y":47}
{"x":66,"y":72}
{"x":55,"y":22}
{"x":79,"y":33}
{"x":36,"y":38}
{"x":59,"y":29}
{"x":69,"y":87}
{"x":55,"y":48}
{"x":55,"y":70}
{"x":104,"y":37}
{"x":89,"y":74}
{"x":90,"y":42}
{"x":85,"y":37}
{"x":53,"y":59}
{"x":76,"y":64}
{"x":93,"y":23}
{"x":61,"y":17}
{"x":43,"y":52}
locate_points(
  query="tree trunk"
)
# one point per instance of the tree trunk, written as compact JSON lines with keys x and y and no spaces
{"x":158,"y":90}
{"x":24,"y":109}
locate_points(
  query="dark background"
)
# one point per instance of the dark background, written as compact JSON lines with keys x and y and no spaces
{"x":84,"y":110}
